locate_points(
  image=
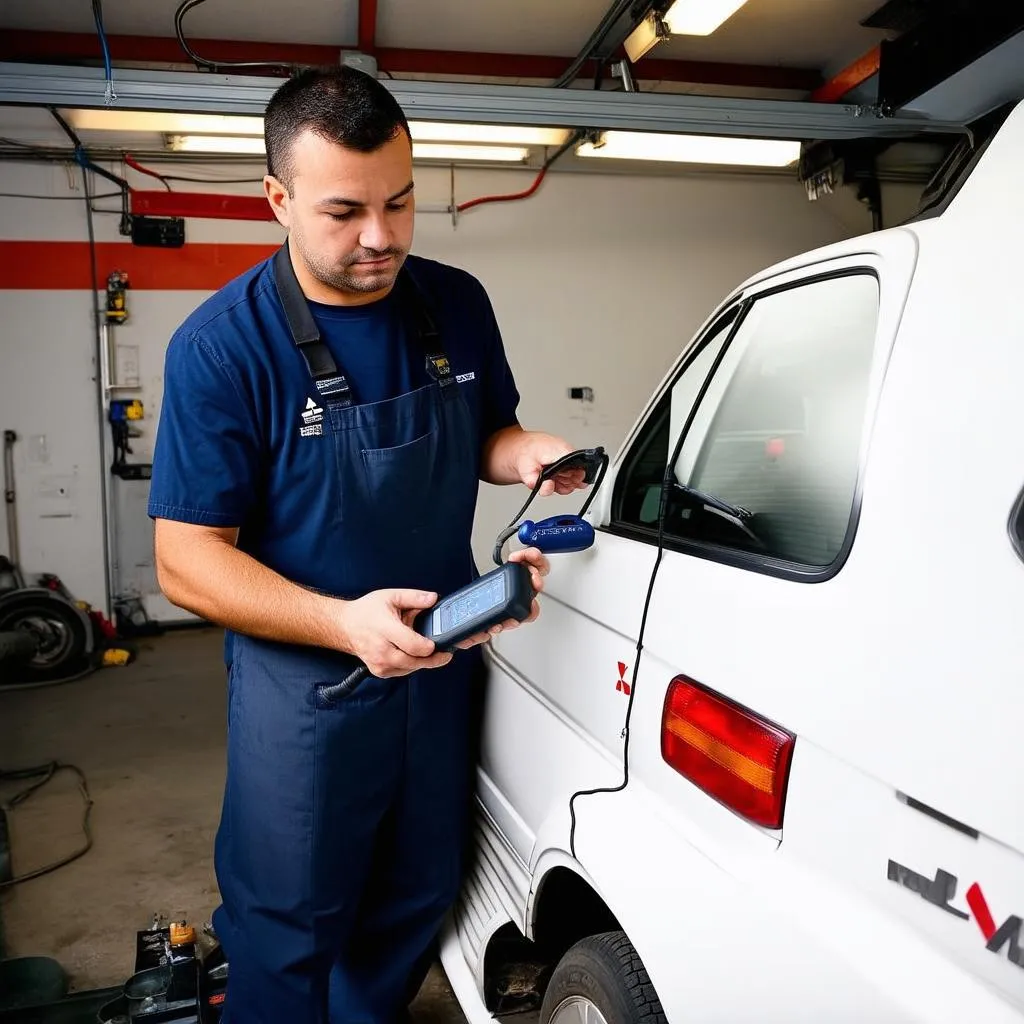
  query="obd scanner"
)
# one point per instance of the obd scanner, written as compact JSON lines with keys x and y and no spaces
{"x":507,"y":591}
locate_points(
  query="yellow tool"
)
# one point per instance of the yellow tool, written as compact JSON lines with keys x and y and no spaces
{"x":117,"y":308}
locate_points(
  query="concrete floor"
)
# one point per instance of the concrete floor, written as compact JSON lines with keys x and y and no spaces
{"x":150,"y":739}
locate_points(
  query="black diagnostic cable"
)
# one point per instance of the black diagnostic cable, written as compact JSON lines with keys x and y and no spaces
{"x":667,"y":483}
{"x":636,"y":668}
{"x":517,"y":595}
{"x":573,"y":459}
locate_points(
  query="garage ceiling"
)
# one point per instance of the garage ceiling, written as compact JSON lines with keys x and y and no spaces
{"x":823,"y":50}
{"x":818,"y":34}
{"x":815,"y":37}
{"x":773,"y":69}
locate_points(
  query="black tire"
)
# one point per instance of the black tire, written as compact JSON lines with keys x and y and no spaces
{"x":606,"y":970}
{"x":16,"y":647}
{"x":60,"y":635}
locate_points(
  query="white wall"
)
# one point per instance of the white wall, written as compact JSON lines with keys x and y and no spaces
{"x":597,"y":280}
{"x":47,"y":393}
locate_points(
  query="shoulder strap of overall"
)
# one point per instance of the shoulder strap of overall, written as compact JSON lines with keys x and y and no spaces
{"x":329,"y":380}
{"x":414,"y":300}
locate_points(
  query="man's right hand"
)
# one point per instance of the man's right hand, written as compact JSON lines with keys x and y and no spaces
{"x":201,"y":569}
{"x":377,"y":630}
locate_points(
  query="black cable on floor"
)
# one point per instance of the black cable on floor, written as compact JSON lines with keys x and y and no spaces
{"x":41,"y":775}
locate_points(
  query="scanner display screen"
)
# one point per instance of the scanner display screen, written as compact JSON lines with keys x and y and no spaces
{"x":476,"y":602}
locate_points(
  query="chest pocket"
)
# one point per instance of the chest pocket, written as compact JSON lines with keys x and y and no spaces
{"x":398,"y":479}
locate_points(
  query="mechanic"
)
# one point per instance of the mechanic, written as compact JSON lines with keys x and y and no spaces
{"x":311,"y":497}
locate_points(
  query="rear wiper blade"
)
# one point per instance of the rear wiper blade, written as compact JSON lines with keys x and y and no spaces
{"x":736,"y":511}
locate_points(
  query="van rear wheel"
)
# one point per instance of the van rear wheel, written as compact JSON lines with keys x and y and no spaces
{"x":601,"y":980}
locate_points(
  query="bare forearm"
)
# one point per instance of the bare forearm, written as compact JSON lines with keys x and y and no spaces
{"x":498,"y":465}
{"x":514,"y":455}
{"x":216,"y":581}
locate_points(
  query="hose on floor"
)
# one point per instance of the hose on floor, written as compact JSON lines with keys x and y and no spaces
{"x":40,"y":776}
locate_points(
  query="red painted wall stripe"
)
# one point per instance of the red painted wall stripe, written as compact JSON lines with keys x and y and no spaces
{"x":196,"y":266}
{"x":200,"y":204}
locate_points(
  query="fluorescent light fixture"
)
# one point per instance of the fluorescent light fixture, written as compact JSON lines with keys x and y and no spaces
{"x":697,"y":149}
{"x":700,"y":17}
{"x":236,"y":144}
{"x":164,"y":122}
{"x":500,"y":134}
{"x":645,"y":36}
{"x":443,"y":151}
{"x":167,"y":122}
{"x":241,"y":144}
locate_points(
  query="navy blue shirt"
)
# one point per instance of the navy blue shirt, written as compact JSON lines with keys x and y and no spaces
{"x":233,"y":447}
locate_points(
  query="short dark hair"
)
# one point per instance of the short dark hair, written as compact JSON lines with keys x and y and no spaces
{"x":340,"y":104}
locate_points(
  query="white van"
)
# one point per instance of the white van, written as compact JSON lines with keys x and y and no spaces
{"x":762,"y":757}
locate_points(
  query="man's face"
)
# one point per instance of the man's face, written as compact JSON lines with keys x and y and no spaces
{"x":350,"y":214}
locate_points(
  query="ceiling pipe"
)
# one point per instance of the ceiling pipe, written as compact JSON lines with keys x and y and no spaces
{"x":78,"y":48}
{"x":541,"y":68}
{"x":857,"y":73}
{"x":598,"y":38}
{"x":368,"y":26}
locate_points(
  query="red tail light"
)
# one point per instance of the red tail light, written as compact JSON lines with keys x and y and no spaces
{"x":729,"y":752}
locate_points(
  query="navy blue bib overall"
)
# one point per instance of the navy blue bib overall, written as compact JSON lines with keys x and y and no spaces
{"x":343,"y":824}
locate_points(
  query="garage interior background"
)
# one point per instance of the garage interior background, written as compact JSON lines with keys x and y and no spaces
{"x":597,"y":279}
{"x":596,"y":282}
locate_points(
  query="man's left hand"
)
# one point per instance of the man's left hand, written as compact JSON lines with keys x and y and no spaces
{"x":538,"y":450}
{"x":539,"y":568}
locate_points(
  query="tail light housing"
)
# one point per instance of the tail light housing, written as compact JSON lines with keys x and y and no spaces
{"x":734,"y":755}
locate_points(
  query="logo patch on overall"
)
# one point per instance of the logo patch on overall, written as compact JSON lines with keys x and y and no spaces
{"x":465,"y":378}
{"x":312,"y":420}
{"x":330,"y":385}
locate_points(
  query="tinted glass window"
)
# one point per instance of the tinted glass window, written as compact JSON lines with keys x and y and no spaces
{"x":770,"y":462}
{"x":638,"y":489}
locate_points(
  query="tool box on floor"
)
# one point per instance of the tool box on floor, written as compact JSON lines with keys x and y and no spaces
{"x":179,"y":977}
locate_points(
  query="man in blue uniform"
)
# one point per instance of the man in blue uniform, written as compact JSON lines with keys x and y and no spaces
{"x":326,"y":420}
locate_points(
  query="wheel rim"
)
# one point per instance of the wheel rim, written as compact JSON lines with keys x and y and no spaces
{"x":52,"y":637}
{"x":577,"y":1010}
